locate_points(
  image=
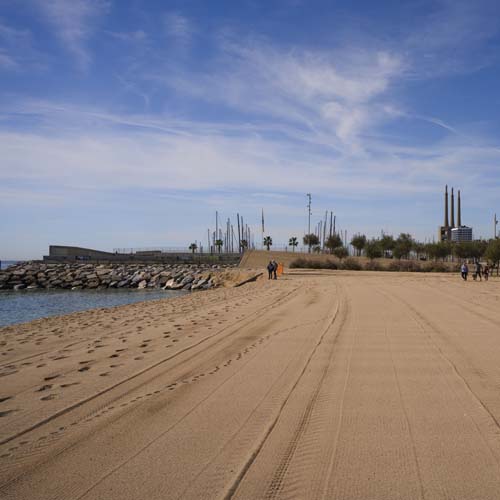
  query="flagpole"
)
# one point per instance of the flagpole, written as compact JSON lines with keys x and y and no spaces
{"x":263,"y":230}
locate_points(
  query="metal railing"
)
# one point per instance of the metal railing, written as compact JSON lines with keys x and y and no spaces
{"x":160,"y":250}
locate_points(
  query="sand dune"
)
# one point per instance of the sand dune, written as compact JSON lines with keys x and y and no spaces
{"x":319,"y":385}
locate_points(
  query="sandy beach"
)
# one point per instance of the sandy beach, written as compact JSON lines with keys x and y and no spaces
{"x":333,"y":385}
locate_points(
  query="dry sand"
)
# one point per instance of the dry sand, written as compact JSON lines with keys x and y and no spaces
{"x":330,"y":385}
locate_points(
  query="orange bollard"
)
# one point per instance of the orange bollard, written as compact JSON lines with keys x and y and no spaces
{"x":280,"y":269}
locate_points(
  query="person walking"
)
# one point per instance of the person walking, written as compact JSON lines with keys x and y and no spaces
{"x":464,"y":270}
{"x":270,"y":269}
{"x":486,"y":272}
{"x":478,"y":271}
{"x":275,"y":269}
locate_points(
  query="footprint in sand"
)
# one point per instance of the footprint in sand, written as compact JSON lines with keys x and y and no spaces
{"x":52,"y":377}
{"x":84,"y":368}
{"x":4,"y":413}
{"x":48,"y":397}
{"x":6,"y":398}
{"x":69,"y":385}
{"x":45,"y":387}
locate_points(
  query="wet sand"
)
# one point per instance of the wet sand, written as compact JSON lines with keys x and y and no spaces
{"x":331,"y":385}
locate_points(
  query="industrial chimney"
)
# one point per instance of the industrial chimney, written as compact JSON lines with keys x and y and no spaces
{"x":446,"y":223}
{"x":459,"y":211}
{"x":452,"y":209}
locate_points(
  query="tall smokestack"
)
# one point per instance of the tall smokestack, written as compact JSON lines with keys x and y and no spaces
{"x":459,"y":211}
{"x":446,"y":223}
{"x":452,"y":208}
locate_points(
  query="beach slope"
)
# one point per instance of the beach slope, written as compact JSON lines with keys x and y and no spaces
{"x":318,"y":385}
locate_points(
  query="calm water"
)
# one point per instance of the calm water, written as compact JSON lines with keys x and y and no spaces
{"x":27,"y":305}
{"x":4,"y":264}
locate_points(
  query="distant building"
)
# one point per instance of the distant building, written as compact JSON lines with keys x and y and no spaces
{"x":449,"y":231}
{"x":462,"y":233}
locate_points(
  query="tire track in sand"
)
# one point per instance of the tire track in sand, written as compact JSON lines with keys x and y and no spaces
{"x":284,"y":462}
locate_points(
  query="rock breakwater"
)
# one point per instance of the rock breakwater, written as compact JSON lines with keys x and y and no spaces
{"x":78,"y":276}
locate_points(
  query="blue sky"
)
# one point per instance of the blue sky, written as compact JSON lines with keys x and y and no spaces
{"x":128,"y":123}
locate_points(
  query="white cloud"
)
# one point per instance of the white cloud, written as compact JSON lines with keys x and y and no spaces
{"x":7,"y":62}
{"x":452,"y":39}
{"x":16,"y":49}
{"x":137,"y":36}
{"x":74,"y":22}
{"x":335,"y":95}
{"x":178,"y":27}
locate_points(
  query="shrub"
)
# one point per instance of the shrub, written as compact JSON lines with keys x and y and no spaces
{"x":373,"y":265}
{"x":351,"y":264}
{"x":436,"y":267}
{"x":394,"y":266}
{"x":298,"y":263}
{"x":313,"y":264}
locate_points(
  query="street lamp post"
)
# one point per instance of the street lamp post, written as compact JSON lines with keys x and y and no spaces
{"x":309,"y":220}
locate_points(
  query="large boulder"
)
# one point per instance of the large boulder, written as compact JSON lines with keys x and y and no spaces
{"x":103,"y":272}
{"x":187,"y":279}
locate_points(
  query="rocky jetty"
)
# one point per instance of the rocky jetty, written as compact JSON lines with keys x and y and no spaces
{"x":78,"y":276}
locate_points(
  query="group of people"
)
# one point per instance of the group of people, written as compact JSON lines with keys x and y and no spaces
{"x":272,"y":270}
{"x":479,"y":272}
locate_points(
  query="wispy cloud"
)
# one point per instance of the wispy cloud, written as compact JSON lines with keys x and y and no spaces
{"x":6,"y":62}
{"x":74,"y":23}
{"x":178,"y":27}
{"x":16,"y":49}
{"x":452,"y":38}
{"x":336,"y":94}
{"x":137,"y":36}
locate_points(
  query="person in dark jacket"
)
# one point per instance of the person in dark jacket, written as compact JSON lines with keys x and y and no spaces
{"x":270,"y":270}
{"x":478,"y":272}
{"x":275,"y":269}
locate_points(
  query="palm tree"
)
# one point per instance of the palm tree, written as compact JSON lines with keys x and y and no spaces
{"x":193,"y":247}
{"x":293,"y":242}
{"x":268,"y":242}
{"x":218,"y":244}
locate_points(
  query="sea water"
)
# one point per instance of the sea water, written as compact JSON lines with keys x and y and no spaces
{"x":27,"y":305}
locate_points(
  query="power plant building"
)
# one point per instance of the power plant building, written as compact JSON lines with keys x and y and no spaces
{"x":463,"y":233}
{"x":449,"y":231}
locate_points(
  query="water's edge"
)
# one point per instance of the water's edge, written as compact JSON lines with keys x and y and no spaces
{"x":23,"y":306}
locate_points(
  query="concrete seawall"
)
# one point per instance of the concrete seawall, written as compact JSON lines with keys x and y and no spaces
{"x":67,"y":254}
